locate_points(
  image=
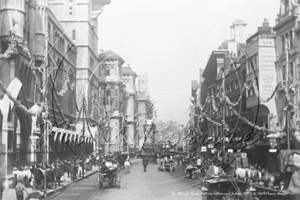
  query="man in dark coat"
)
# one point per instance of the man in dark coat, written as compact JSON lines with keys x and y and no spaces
{"x":73,"y":171}
{"x":50,"y":177}
{"x":57,"y":174}
{"x":68,"y":167}
{"x":145,"y":162}
{"x":38,"y":177}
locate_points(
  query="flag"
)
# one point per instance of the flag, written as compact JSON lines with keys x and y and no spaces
{"x":13,"y":88}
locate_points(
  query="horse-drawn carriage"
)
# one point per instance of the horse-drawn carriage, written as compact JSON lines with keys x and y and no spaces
{"x":110,"y":175}
{"x":166,"y":165}
{"x":287,"y":160}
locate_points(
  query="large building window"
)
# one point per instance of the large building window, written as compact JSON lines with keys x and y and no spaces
{"x":73,"y":35}
{"x":283,"y":42}
{"x":283,"y":73}
{"x":291,"y":69}
{"x":291,"y":39}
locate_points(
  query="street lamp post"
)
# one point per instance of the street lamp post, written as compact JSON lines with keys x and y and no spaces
{"x":34,"y":139}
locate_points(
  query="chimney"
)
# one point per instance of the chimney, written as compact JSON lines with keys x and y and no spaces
{"x":266,"y":23}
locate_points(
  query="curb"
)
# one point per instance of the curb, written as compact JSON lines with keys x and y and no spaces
{"x":51,"y":193}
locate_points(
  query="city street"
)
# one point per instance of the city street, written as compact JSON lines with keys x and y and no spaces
{"x":152,"y":184}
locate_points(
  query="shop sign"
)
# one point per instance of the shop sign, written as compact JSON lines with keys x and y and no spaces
{"x":267,"y":72}
{"x":272,"y":150}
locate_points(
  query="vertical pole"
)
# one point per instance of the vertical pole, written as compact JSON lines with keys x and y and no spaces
{"x":223,"y":106}
{"x":287,"y":93}
{"x":83,"y":130}
{"x":45,"y":91}
{"x":34,"y":161}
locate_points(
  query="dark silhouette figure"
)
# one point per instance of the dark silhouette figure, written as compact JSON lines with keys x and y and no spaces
{"x":145,"y":162}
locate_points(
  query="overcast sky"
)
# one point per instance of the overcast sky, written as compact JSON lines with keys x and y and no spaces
{"x":170,"y":40}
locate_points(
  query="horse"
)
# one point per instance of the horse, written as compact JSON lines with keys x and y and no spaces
{"x":256,"y":174}
{"x":243,"y":174}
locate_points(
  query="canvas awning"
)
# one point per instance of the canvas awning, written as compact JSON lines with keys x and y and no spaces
{"x":64,"y":135}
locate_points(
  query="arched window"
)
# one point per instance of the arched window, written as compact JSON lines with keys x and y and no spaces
{"x":73,"y":35}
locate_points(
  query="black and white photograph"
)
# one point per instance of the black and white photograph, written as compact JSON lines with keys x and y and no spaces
{"x":149,"y":100}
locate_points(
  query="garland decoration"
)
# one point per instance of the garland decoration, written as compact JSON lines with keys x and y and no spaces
{"x":247,"y":121}
{"x":210,"y":120}
{"x":213,"y":102}
{"x":65,"y":87}
{"x":71,"y":88}
{"x":55,"y":99}
{"x":274,"y":92}
{"x":255,"y":87}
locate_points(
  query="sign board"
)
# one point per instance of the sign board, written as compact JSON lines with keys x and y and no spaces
{"x":230,"y":150}
{"x":272,"y":150}
{"x":203,"y":149}
{"x":267,"y":71}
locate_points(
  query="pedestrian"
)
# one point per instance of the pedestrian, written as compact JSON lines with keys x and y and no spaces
{"x":189,"y":170}
{"x":1,"y":189}
{"x":27,"y":177}
{"x":79,"y":167}
{"x":178,"y":159}
{"x":19,"y":190}
{"x":21,"y":174}
{"x":57,"y":175}
{"x":50,"y":177}
{"x":73,"y":171}
{"x":15,"y":172}
{"x":145,"y":162}
{"x":62,"y":172}
{"x":127,"y":165}
{"x":38,"y":177}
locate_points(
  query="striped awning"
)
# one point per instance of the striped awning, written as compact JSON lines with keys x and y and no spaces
{"x":63,"y":136}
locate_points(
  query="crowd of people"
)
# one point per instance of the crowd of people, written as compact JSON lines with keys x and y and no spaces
{"x":35,"y":176}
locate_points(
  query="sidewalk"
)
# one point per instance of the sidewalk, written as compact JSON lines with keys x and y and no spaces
{"x":10,"y":193}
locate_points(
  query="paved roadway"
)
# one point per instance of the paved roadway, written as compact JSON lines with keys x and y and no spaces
{"x":137,"y":185}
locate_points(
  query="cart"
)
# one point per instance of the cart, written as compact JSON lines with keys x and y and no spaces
{"x":113,"y":178}
{"x":219,"y":188}
{"x":168,"y":166}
